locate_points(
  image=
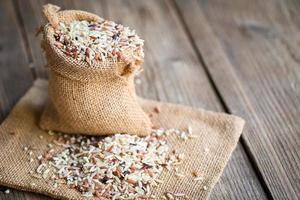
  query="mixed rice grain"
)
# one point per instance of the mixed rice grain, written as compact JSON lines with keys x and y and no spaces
{"x":97,"y":41}
{"x":121,"y":166}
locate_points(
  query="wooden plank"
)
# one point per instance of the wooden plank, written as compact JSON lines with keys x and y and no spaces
{"x":252,"y":55}
{"x":19,"y":195}
{"x":172,"y":73}
{"x":15,"y":76}
{"x":36,"y":58}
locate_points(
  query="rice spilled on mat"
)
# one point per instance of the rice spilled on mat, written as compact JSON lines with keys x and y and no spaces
{"x":121,"y":166}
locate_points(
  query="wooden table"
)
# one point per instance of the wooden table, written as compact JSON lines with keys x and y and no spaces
{"x":235,"y":56}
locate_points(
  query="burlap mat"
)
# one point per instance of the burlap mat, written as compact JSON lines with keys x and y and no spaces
{"x":208,"y":154}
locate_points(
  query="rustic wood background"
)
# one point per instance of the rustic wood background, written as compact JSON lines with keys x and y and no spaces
{"x":235,"y":56}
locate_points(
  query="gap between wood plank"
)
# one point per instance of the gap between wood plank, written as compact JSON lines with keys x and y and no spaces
{"x":244,"y":144}
{"x":24,"y":38}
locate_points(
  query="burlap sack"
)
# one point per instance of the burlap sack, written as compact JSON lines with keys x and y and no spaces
{"x":217,"y":132}
{"x":98,"y":99}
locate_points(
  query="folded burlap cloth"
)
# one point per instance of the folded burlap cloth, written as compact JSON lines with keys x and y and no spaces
{"x":218,"y":133}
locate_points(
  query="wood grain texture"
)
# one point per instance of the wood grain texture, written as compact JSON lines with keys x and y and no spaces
{"x":172,"y":71}
{"x":16,"y":195}
{"x":251,"y":50}
{"x":15,"y":76}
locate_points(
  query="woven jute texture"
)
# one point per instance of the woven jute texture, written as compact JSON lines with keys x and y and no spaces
{"x":217,"y":132}
{"x":97,"y":99}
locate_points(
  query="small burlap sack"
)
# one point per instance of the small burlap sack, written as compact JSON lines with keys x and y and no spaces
{"x":217,"y":132}
{"x":98,"y":99}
